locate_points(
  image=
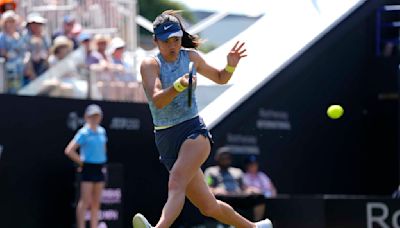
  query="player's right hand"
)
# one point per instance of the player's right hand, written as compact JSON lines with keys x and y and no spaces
{"x":185,"y":80}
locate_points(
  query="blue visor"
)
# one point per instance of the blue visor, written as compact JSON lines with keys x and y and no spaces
{"x":84,"y":36}
{"x":167,"y":30}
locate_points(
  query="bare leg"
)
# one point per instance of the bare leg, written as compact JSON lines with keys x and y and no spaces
{"x":96,"y":201}
{"x":84,"y":203}
{"x":201,"y":196}
{"x":192,"y":154}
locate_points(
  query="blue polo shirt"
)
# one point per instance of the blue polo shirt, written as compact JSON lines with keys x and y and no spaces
{"x":92,"y":144}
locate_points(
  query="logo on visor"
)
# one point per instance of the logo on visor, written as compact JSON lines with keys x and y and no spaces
{"x":167,"y":27}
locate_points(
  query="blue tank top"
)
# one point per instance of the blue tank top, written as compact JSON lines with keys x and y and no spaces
{"x":178,"y":110}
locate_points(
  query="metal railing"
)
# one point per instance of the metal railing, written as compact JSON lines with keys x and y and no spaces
{"x":114,"y":84}
{"x":71,"y":78}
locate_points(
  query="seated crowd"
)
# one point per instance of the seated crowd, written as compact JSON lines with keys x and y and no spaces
{"x":228,"y":181}
{"x":28,"y":51}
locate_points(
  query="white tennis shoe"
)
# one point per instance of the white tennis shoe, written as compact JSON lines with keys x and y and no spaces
{"x":139,"y":221}
{"x":266,"y":223}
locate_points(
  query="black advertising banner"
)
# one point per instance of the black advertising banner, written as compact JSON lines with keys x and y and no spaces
{"x":37,"y":181}
{"x":334,"y":212}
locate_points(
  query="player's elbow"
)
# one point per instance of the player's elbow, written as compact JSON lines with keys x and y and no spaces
{"x":67,"y":151}
{"x":223,"y":81}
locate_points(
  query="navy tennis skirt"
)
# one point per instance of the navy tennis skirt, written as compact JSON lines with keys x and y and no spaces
{"x":93,"y":172}
{"x":170,"y":140}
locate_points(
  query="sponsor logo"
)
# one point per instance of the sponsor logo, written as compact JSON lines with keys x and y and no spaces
{"x":74,"y":121}
{"x":122,"y":123}
{"x":273,"y":120}
{"x":102,"y":225}
{"x":242,"y":144}
{"x":167,"y":27}
{"x":241,"y":139}
{"x":378,"y":215}
{"x":106,"y":215}
{"x":111,"y":196}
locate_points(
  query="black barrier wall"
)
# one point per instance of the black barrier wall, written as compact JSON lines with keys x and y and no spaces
{"x":334,"y":212}
{"x":37,"y":179}
{"x":304,"y":151}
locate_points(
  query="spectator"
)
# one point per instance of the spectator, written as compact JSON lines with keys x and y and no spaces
{"x":68,"y":30}
{"x":68,"y":82}
{"x":61,"y":48}
{"x":101,"y":42}
{"x":6,"y":5}
{"x":225,"y":180}
{"x":117,"y":49}
{"x":257,"y":179}
{"x":84,"y":40}
{"x":37,"y":46}
{"x":13,"y":50}
{"x":76,"y":30}
{"x":222,"y":178}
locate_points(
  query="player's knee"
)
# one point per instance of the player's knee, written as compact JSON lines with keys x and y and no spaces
{"x":175,"y":184}
{"x":95,"y":205}
{"x":87,"y":202}
{"x":84,"y":204}
{"x":210,"y":210}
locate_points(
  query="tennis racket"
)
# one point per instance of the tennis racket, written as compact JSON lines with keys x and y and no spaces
{"x":192,"y":70}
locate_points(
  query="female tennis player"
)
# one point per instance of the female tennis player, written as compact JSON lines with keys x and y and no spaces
{"x":182,"y":138}
{"x":91,"y":139}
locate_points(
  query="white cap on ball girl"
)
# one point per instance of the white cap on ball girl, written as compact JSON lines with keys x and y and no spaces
{"x":93,"y":109}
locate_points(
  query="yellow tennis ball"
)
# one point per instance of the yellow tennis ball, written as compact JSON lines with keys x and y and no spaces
{"x":335,"y":111}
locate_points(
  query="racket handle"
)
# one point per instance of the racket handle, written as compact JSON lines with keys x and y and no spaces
{"x":190,"y":87}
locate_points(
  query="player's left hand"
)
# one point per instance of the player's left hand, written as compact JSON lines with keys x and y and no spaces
{"x":237,"y":52}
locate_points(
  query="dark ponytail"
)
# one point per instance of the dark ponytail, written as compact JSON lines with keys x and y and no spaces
{"x":188,"y":40}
